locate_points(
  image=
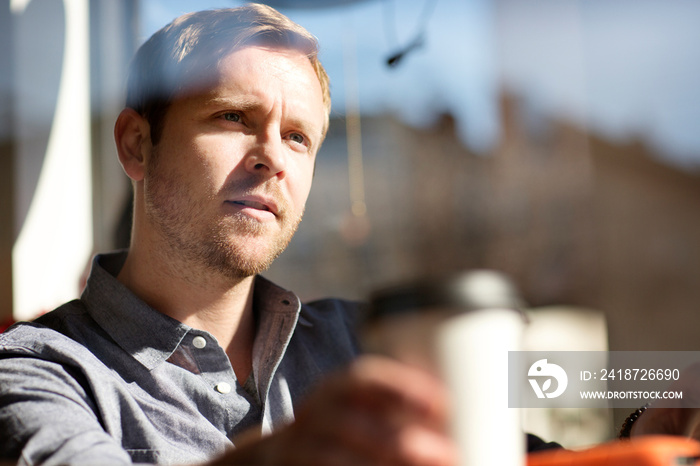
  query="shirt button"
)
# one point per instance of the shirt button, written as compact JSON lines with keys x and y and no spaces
{"x":199,"y":342}
{"x":223,"y":387}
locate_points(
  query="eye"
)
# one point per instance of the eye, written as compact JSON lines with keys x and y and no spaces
{"x":298,"y":138}
{"x":232,"y":116}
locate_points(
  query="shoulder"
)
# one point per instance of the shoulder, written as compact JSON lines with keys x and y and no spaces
{"x":339,"y":314}
{"x":333,"y":309}
{"x":56,"y":336}
{"x":332,"y":324}
{"x":31,"y":337}
{"x":47,"y":396}
{"x":36,"y":359}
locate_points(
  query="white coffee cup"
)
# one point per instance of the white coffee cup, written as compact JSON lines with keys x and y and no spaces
{"x":460,"y":328}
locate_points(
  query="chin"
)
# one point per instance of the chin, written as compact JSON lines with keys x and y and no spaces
{"x":245,"y":257}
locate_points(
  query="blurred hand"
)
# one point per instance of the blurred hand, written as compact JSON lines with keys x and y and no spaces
{"x":379,"y":412}
{"x":676,"y":416}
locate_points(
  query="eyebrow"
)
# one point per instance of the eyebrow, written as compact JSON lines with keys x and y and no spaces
{"x":245,"y":104}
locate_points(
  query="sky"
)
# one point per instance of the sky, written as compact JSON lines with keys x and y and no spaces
{"x":624,"y":68}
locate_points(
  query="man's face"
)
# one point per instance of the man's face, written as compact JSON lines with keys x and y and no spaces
{"x":227,"y":183}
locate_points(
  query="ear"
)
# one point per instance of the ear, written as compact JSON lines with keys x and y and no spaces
{"x":132,"y":135}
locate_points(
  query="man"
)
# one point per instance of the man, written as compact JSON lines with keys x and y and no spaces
{"x":178,"y":351}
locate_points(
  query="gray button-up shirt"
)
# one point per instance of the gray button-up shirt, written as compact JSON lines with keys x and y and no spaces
{"x":108,"y":380}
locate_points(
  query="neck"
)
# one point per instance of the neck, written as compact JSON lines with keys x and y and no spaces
{"x":199,"y":298}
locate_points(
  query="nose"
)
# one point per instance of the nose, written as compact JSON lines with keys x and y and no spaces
{"x":267,"y":157}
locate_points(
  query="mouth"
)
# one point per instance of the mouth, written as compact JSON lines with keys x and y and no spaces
{"x":252,"y":204}
{"x":258,"y":204}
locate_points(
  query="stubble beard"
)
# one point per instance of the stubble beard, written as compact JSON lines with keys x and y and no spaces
{"x":233,"y":258}
{"x":229,"y":246}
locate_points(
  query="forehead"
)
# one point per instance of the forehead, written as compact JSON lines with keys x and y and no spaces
{"x":268,"y":77}
{"x":261,"y":58}
{"x":274,"y":68}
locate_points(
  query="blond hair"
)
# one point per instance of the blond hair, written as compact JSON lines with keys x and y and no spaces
{"x":187,"y":52}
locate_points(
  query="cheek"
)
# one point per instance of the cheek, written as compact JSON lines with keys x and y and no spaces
{"x":210,"y":162}
{"x":300,"y":185}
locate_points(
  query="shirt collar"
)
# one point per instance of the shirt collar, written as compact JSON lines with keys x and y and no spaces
{"x":148,"y":335}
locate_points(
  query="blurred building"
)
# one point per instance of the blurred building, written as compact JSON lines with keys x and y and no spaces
{"x":575,"y":220}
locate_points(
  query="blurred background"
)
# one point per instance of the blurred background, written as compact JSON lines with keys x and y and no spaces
{"x":552,"y":141}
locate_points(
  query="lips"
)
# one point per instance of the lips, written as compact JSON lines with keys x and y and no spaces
{"x":260,"y":203}
{"x":254,"y":205}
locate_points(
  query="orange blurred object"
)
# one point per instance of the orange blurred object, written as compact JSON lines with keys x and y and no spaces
{"x":643,"y":451}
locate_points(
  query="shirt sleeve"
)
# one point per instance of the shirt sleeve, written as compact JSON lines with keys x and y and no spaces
{"x":47,"y":416}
